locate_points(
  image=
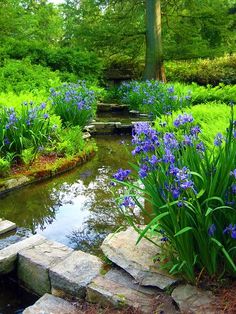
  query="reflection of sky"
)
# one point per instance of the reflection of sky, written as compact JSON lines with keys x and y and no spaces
{"x":74,"y":201}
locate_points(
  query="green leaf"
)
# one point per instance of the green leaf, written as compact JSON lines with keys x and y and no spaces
{"x":186,"y":229}
{"x":225,"y":253}
{"x":155,"y":220}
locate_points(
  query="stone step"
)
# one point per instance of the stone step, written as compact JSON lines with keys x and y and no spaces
{"x":8,"y":255}
{"x":49,"y":304}
{"x":6,"y":226}
{"x":118,"y":289}
{"x":73,"y":274}
{"x":137,"y":260}
{"x":34,"y":263}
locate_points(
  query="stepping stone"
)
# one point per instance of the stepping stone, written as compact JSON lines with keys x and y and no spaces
{"x":192,"y":300}
{"x":34,"y":263}
{"x":118,"y":289}
{"x":137,"y":260}
{"x":8,"y":255}
{"x":49,"y":304}
{"x":6,"y":226}
{"x":71,"y":276}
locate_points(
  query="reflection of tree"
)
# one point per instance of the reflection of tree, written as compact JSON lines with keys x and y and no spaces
{"x":36,"y":206}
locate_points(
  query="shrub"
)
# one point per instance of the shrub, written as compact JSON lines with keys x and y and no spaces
{"x":203,"y":71}
{"x":210,"y":117}
{"x":201,"y":94}
{"x":71,"y":141}
{"x":4,"y":167}
{"x":17,"y":76}
{"x":152,"y":97}
{"x":192,"y":194}
{"x":74,"y":103}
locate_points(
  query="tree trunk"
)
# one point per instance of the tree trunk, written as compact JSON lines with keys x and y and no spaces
{"x":154,"y":67}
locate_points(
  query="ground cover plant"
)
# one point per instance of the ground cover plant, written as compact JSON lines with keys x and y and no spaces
{"x":191,"y":192}
{"x":211,"y":117}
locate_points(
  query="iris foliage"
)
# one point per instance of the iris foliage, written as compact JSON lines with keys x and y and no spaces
{"x":190,"y":191}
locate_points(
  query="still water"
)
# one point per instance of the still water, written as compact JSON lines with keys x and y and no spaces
{"x":76,"y":208}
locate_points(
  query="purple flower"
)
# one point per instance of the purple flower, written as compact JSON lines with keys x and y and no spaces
{"x":195,"y":130}
{"x":231,"y":230}
{"x":168,"y":157}
{"x":233,"y":173}
{"x":121,"y":174}
{"x":46,"y":116}
{"x":200,"y":147}
{"x":187,"y":140}
{"x":183,"y":119}
{"x":43,"y":105}
{"x":211,"y":230}
{"x":128,"y":202}
{"x":218,"y":139}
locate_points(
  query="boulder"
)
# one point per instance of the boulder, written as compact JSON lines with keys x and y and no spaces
{"x":192,"y":300}
{"x":137,"y":260}
{"x":34,"y":263}
{"x":72,"y":275}
{"x":49,"y":304}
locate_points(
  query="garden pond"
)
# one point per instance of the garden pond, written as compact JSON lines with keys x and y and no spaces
{"x":76,"y":208}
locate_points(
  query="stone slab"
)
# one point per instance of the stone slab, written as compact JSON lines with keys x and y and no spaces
{"x":71,"y":276}
{"x":111,"y":292}
{"x":8,"y":255}
{"x":137,"y":260}
{"x":192,"y":300}
{"x":34,"y":263}
{"x":6,"y":226}
{"x":49,"y":304}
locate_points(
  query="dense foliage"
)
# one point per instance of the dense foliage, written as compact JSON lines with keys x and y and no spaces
{"x":191,"y":195}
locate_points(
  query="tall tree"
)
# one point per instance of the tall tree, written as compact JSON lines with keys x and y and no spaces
{"x":154,"y":67}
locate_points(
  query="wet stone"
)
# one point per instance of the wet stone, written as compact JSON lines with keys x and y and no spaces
{"x":8,"y":255}
{"x":192,"y":300}
{"x":34,"y":263}
{"x":137,"y":260}
{"x":6,"y":226}
{"x":71,"y":276}
{"x":49,"y":304}
{"x":118,"y":289}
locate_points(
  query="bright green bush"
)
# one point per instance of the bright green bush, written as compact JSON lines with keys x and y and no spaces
{"x":4,"y":167}
{"x":201,"y":94}
{"x":71,"y":141}
{"x":17,"y":76}
{"x":75,"y":104}
{"x":191,"y":192}
{"x":203,"y":71}
{"x":210,"y":117}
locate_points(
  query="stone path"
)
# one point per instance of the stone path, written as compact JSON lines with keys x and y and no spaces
{"x":54,"y":271}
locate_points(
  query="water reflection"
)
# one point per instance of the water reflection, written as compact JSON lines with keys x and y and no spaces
{"x":77,"y":208}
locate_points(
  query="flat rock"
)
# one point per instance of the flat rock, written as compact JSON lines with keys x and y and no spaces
{"x":8,"y":255}
{"x":137,"y":260}
{"x":34,"y":263}
{"x":118,"y":289}
{"x":73,"y":274}
{"x":192,"y":300}
{"x":6,"y":226}
{"x":49,"y":304}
